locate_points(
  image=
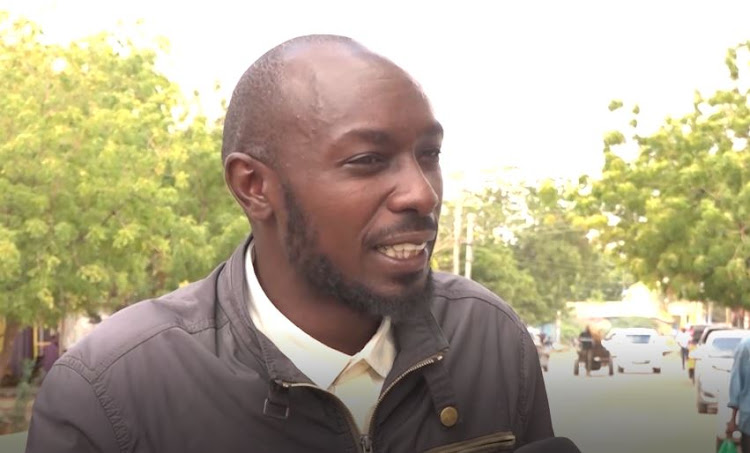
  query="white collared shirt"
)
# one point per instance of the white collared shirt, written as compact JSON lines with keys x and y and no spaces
{"x":357,"y":380}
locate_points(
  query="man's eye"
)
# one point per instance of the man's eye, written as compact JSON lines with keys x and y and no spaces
{"x":367,"y":159}
{"x":431,"y":154}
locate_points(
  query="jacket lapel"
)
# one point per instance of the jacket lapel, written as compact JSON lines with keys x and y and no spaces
{"x":417,"y":338}
{"x":233,"y":297}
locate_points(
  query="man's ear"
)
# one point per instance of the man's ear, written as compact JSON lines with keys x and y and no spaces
{"x":249,"y":180}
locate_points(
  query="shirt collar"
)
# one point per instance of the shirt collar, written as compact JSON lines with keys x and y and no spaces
{"x":380,"y":351}
{"x":321,"y":363}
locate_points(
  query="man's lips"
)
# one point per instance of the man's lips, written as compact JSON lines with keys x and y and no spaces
{"x":413,"y":237}
{"x":402,"y":251}
{"x":406,"y":246}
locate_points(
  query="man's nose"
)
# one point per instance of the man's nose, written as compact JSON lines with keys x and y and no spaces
{"x":416,"y":190}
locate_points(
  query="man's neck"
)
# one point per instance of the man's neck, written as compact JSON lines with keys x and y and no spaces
{"x":324,"y":318}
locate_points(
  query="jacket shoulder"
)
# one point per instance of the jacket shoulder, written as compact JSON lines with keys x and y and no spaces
{"x":455,"y":295}
{"x":190,"y":309}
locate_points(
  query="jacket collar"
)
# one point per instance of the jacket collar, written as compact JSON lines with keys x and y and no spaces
{"x":417,"y":338}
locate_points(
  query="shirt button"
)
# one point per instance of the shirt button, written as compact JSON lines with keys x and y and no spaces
{"x":448,"y":416}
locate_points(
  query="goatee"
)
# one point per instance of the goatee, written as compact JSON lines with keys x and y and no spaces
{"x":323,"y":276}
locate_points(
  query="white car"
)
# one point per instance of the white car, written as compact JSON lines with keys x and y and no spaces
{"x":713,"y":364}
{"x":636,"y":348}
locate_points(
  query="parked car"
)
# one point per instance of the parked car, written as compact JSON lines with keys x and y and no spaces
{"x":713,"y":364}
{"x":695,"y":335}
{"x":705,"y":334}
{"x":636,"y":348}
{"x":705,"y":339}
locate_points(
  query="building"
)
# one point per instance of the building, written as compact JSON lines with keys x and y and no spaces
{"x":640,"y":302}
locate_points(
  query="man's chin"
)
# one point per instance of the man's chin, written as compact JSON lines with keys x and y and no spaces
{"x":410,"y":295}
{"x":412,"y":281}
{"x":397,"y":296}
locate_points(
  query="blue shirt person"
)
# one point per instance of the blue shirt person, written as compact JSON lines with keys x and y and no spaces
{"x":739,"y":393}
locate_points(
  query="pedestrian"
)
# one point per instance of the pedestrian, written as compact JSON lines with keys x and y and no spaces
{"x":683,"y":341}
{"x":326,"y":330}
{"x":586,"y":345}
{"x":739,"y":394}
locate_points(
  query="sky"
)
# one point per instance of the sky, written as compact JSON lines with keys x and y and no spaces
{"x":521,"y":87}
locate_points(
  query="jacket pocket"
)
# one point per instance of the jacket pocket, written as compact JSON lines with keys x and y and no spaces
{"x":501,"y":441}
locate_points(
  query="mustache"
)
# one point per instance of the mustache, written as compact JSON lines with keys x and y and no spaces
{"x":408,"y":224}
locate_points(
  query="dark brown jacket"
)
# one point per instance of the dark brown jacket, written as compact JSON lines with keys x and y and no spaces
{"x":189,"y":372}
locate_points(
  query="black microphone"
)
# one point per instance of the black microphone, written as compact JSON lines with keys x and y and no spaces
{"x":550,"y":445}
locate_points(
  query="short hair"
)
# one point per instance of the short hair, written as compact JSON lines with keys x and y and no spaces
{"x":259,"y":101}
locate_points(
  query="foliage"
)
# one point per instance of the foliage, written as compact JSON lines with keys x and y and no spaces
{"x":627,"y":322}
{"x":679,"y":213}
{"x":14,"y":419}
{"x":570,"y":330}
{"x":24,"y":396}
{"x":555,"y":249}
{"x":496,"y":268}
{"x":529,"y":249}
{"x":110,"y":191}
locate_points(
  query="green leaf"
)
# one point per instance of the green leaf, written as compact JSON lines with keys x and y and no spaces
{"x":614,"y":105}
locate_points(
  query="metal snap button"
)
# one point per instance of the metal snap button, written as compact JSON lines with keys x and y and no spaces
{"x":448,"y":416}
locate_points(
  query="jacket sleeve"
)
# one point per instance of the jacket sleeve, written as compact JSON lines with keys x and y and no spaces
{"x":68,"y":417}
{"x":535,"y":405}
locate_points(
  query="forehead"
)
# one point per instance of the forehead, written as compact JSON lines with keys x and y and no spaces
{"x":338,"y":90}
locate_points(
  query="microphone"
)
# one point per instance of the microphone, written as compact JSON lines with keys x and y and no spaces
{"x":550,"y":445}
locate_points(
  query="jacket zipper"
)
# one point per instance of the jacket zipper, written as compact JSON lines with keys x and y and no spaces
{"x":365,"y":440}
{"x":366,"y":448}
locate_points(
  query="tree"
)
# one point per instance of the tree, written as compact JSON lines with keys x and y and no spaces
{"x":679,"y":212}
{"x":555,"y":248}
{"x":496,"y":268}
{"x":494,"y":264}
{"x":110,"y":188}
{"x":530,"y":249}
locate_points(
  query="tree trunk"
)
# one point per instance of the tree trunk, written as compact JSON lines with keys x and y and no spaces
{"x":12,"y":329}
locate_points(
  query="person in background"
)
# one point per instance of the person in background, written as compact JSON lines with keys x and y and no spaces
{"x":739,"y":394}
{"x":585,"y":338}
{"x":683,"y":341}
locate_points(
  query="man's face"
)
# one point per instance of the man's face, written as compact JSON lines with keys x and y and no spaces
{"x":363,"y":189}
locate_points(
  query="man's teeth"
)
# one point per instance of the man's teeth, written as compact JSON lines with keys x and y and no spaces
{"x":402,"y":251}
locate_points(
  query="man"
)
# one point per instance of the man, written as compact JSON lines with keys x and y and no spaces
{"x":739,"y":394}
{"x":326,"y":331}
{"x":683,"y":341}
{"x":586,"y":345}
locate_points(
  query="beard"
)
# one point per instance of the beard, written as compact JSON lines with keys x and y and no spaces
{"x":322,"y":275}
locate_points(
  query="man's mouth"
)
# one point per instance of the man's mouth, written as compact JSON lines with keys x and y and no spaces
{"x":403,"y":251}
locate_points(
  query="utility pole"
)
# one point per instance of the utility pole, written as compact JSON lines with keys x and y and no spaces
{"x":457,"y":224}
{"x":469,"y":240}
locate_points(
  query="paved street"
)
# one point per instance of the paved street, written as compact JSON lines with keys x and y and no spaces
{"x":628,"y":413}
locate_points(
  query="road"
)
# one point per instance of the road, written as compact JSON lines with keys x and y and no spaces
{"x":628,"y":413}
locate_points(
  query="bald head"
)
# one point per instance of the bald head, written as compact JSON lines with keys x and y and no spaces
{"x":263,"y":100}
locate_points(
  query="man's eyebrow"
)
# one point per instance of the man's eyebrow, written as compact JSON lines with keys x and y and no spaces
{"x":380,"y":137}
{"x":435,"y":129}
{"x":374,"y":136}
